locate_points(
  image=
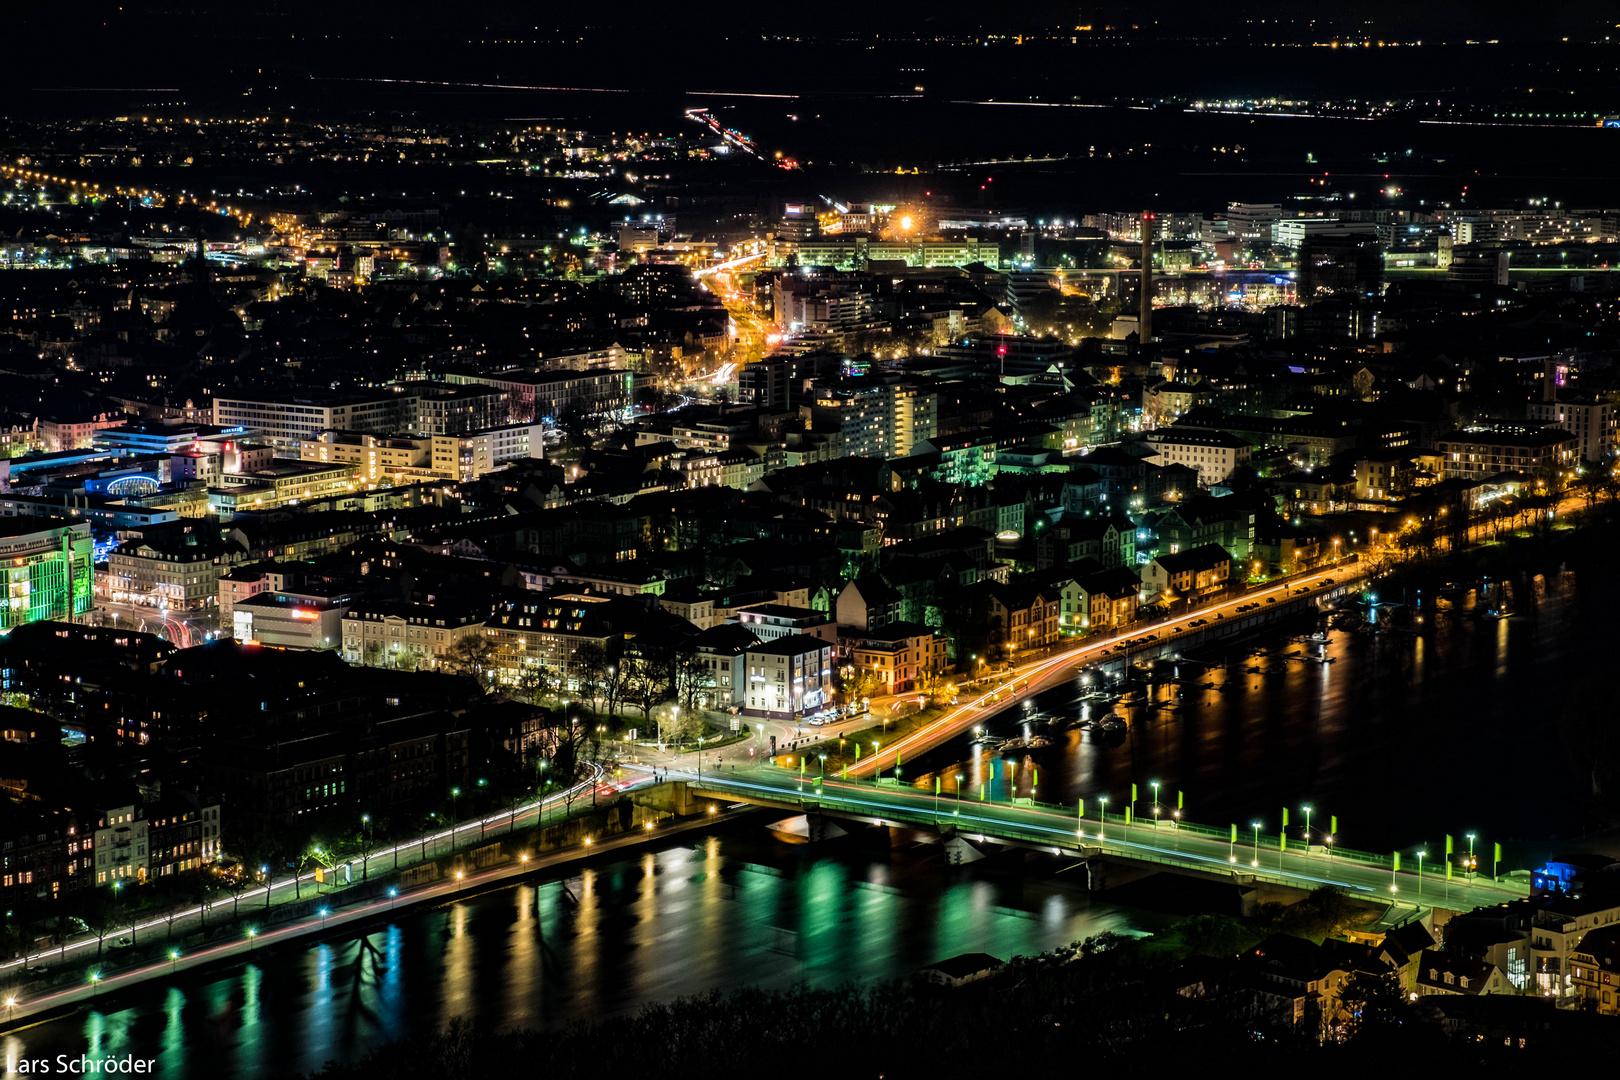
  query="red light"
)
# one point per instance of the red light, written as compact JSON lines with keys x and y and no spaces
{"x":1001,"y":350}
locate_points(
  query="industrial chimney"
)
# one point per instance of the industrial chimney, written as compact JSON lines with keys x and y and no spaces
{"x":1144,"y":325}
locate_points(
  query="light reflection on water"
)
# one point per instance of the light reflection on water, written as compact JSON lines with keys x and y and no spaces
{"x":726,"y":909}
{"x":1295,"y":731}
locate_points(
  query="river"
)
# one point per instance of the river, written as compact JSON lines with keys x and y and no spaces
{"x":727,"y":908}
{"x":1403,"y":738}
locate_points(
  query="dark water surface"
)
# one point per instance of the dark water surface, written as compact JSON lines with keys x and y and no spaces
{"x":1405,"y":738}
{"x":730,"y":908}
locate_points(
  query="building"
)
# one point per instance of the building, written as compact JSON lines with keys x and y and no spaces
{"x":1478,"y":455}
{"x":287,"y":421}
{"x":471,"y":454}
{"x":1214,"y":454}
{"x":788,"y":678}
{"x":376,"y":459}
{"x":282,"y":483}
{"x":291,"y":620}
{"x":1595,"y":971}
{"x":121,"y":845}
{"x":771,"y":621}
{"x":1590,"y":419}
{"x":47,"y":573}
{"x":1439,"y":972}
{"x":177,"y":565}
{"x":388,"y":763}
{"x":1192,"y":576}
{"x":874,"y":418}
{"x":1344,"y":266}
{"x":897,"y":654}
{"x":547,"y":396}
{"x":410,"y":637}
{"x":147,"y":437}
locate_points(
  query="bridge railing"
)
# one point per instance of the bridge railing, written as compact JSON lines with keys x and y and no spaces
{"x":1164,"y":829}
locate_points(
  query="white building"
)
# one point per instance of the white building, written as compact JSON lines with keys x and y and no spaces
{"x":788,"y":677}
{"x":1215,"y":454}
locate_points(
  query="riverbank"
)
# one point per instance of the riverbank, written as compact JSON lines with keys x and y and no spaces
{"x":248,"y":933}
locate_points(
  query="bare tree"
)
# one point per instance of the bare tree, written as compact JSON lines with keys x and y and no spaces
{"x":471,"y":654}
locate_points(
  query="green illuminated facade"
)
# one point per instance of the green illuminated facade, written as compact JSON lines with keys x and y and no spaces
{"x":46,"y":567}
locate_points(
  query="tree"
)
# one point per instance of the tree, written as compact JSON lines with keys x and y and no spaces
{"x":99,"y":912}
{"x":590,"y":665}
{"x":577,"y":426}
{"x":678,"y":726}
{"x":236,"y":884}
{"x":533,"y":682}
{"x":471,"y":654}
{"x":931,"y":682}
{"x":689,"y":677}
{"x":1370,"y":1004}
{"x":645,"y":685}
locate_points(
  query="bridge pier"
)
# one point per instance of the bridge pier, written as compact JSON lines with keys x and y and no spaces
{"x":807,"y":828}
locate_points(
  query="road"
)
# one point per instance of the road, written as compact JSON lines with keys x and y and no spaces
{"x":752,"y":331}
{"x":1253,"y":854}
{"x":406,"y":853}
{"x":1030,"y":677}
{"x":176,"y":627}
{"x":21,"y":1008}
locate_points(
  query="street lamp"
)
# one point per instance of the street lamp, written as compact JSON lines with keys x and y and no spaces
{"x":393,"y":895}
{"x":174,"y":959}
{"x":823,"y":758}
{"x":324,"y":913}
{"x":252,"y":933}
{"x":1471,"y":855}
{"x":1422,"y":853}
{"x":11,"y":1008}
{"x":1256,"y":860}
{"x":1155,"y":786}
{"x":455,"y":793}
{"x":958,"y":794}
{"x":1102,"y":817}
{"x":1308,"y":808}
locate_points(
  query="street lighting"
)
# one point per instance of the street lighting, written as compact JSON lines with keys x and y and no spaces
{"x":1155,"y":786}
{"x":455,"y":793}
{"x":1102,"y":817}
{"x":958,"y":794}
{"x":1471,"y":855}
{"x":1256,"y":860}
{"x":1308,"y":808}
{"x":324,"y":913}
{"x":11,"y":1008}
{"x":174,"y":959}
{"x":1422,"y":853}
{"x":252,"y":933}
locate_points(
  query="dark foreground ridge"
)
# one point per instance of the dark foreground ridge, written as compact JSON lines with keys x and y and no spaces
{"x":1113,"y":1002}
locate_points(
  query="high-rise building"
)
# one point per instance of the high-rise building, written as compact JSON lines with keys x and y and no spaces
{"x":1249,"y":224}
{"x":1340,"y":266}
{"x":873,"y":417}
{"x":47,"y":570}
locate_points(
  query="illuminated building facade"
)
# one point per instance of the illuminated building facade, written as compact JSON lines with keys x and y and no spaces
{"x":47,"y":570}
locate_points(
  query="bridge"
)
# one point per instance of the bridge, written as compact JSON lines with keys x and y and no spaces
{"x":1241,"y":853}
